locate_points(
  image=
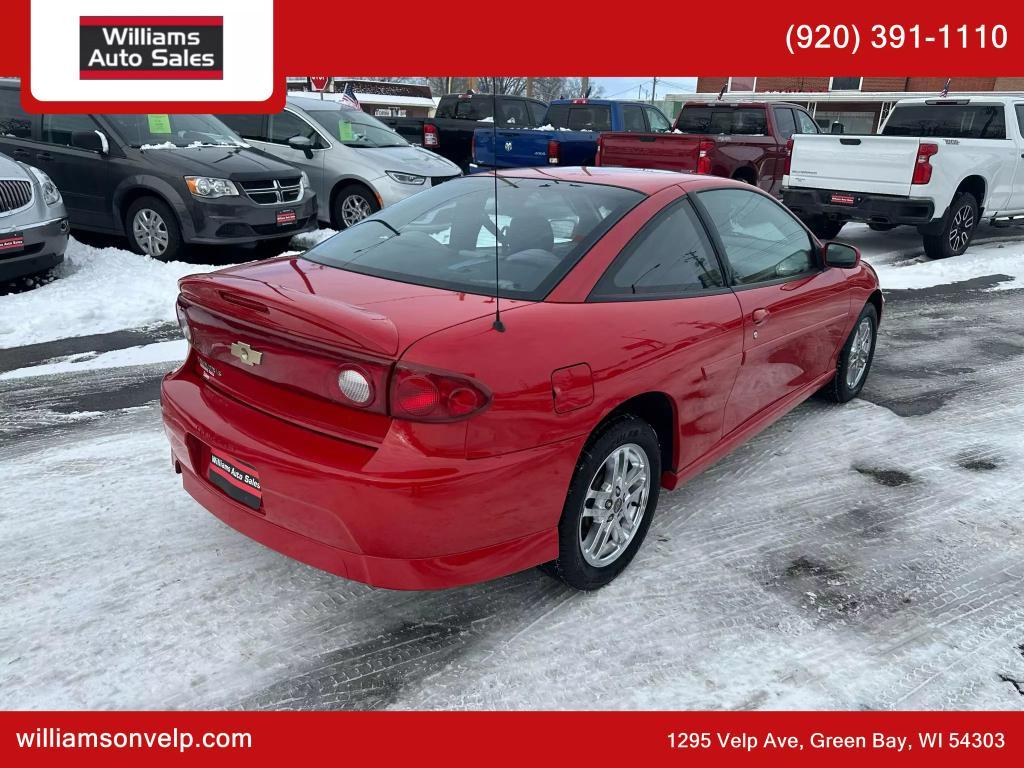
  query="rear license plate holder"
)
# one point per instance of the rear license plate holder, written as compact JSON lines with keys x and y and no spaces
{"x":239,"y":480}
{"x":841,"y":198}
{"x":12,"y":242}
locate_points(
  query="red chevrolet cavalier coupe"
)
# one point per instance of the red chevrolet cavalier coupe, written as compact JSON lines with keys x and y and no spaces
{"x":359,"y":408}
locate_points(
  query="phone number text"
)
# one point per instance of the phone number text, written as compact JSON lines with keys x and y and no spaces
{"x":850,"y":37}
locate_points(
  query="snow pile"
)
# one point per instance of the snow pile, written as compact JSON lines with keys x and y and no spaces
{"x":306,"y":240}
{"x":96,"y":290}
{"x":161,"y":352}
{"x":161,"y":145}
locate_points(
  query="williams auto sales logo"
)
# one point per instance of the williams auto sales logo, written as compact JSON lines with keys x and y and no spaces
{"x":153,"y":57}
{"x":151,"y":47}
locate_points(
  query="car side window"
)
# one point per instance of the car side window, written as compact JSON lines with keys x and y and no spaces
{"x":658,"y":122}
{"x":514,"y":112}
{"x":669,"y":257}
{"x":804,"y":123}
{"x":785,"y":123}
{"x":537,"y":112}
{"x":633,"y":119}
{"x":1020,"y":118}
{"x":58,"y":129}
{"x":285,"y":126}
{"x":15,"y":123}
{"x":246,"y":126}
{"x":763,"y":241}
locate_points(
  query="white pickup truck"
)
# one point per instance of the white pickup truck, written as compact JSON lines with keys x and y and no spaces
{"x":939,"y":164}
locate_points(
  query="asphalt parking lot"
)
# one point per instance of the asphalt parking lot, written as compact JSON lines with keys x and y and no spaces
{"x":866,"y":556}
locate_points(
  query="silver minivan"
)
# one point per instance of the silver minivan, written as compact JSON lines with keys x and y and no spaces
{"x":33,"y":223}
{"x":356,"y":164}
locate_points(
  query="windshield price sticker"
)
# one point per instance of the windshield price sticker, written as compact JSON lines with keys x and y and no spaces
{"x":159,"y":123}
{"x":850,"y":37}
{"x":345,"y":132}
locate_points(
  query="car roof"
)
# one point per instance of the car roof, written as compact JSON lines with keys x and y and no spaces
{"x":645,"y":180}
{"x":314,"y":104}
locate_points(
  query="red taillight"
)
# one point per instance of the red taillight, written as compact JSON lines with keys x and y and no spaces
{"x":424,"y":395}
{"x":553,"y":150}
{"x":431,"y":138}
{"x":789,"y":158}
{"x":704,"y":147}
{"x":923,"y":165}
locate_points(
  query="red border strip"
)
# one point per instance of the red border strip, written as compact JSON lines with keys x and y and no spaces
{"x":151,"y":74}
{"x":151,"y":21}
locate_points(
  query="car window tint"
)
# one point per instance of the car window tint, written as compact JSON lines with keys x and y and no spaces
{"x":670,"y":256}
{"x":479,"y":108}
{"x":658,"y":122}
{"x":948,"y":121}
{"x":633,"y":119}
{"x":514,"y":113}
{"x":785,"y":122}
{"x":246,"y":126}
{"x":804,"y":123}
{"x":58,"y":129}
{"x":537,"y":112}
{"x":445,"y":236}
{"x":581,"y":117}
{"x":762,"y":240}
{"x":743,"y":121}
{"x":14,"y":122}
{"x":285,"y":126}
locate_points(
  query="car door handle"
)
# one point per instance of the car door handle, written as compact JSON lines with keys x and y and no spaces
{"x":44,"y":156}
{"x":21,"y":152}
{"x":759,"y":316}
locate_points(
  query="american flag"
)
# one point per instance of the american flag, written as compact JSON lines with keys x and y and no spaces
{"x":348,"y":97}
{"x":945,"y":88}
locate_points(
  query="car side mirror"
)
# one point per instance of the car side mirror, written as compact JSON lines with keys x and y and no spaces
{"x":303,"y":144}
{"x":838,"y":127}
{"x":841,"y":255}
{"x":93,"y":141}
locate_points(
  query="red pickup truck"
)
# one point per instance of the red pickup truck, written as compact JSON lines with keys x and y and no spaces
{"x":746,"y":140}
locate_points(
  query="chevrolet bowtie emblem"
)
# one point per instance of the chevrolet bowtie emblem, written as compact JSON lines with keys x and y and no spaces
{"x":245,"y":353}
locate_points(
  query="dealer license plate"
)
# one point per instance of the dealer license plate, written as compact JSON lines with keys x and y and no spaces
{"x":12,"y":241}
{"x":841,"y":199}
{"x":237,"y":479}
{"x":284,"y":218}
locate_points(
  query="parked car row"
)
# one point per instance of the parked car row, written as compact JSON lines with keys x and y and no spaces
{"x":165,"y":182}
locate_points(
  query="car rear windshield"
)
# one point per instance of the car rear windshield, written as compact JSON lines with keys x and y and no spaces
{"x":947,"y":121}
{"x":445,"y":236}
{"x":166,"y":131}
{"x":742,"y":121}
{"x":355,"y":128}
{"x":580,"y":117}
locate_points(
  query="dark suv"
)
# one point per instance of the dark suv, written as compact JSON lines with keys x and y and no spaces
{"x":163,"y":181}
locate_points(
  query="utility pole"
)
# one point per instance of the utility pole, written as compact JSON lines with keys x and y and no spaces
{"x":639,"y":93}
{"x":654,"y":88}
{"x":529,"y":87}
{"x":471,"y":84}
{"x":584,"y":86}
{"x":448,"y":84}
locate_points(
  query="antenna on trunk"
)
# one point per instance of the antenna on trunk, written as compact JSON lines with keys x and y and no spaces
{"x":497,"y":325}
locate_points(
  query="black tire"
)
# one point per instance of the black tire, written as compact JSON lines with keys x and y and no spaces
{"x":354,"y":194}
{"x":878,"y":227}
{"x":958,"y":229}
{"x":152,"y":248}
{"x":572,"y":566}
{"x":823,"y":228}
{"x":840,"y":390}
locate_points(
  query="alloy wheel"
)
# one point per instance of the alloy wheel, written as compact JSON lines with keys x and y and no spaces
{"x":150,"y":231}
{"x":354,"y":209}
{"x":615,"y":505}
{"x":960,"y":231}
{"x":860,"y":354}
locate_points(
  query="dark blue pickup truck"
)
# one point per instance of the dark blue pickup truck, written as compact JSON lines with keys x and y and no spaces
{"x":568,"y":137}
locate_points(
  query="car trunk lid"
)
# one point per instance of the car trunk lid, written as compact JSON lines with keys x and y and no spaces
{"x":662,"y":151}
{"x":880,"y":164}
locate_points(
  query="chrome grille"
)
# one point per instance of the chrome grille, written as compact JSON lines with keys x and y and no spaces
{"x":14,"y":194}
{"x":273,"y":191}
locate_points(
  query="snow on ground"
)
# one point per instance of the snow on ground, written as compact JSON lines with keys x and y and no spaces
{"x":899,"y":258}
{"x":96,"y":290}
{"x":146,"y":354}
{"x":306,"y":240}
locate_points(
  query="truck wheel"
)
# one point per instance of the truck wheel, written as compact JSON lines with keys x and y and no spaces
{"x":153,"y":229}
{"x":825,"y":229}
{"x":877,"y":227}
{"x":610,"y":503}
{"x":957,"y":229}
{"x":352,"y":204}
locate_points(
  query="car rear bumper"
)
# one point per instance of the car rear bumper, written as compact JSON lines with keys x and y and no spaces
{"x":43,"y":248}
{"x":233,"y":220}
{"x":387,"y":516}
{"x":866,"y":207}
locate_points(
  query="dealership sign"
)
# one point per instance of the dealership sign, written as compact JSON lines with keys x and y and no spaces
{"x":123,"y":55}
{"x":151,"y":47}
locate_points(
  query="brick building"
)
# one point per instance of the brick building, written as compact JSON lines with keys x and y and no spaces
{"x":859,"y":103}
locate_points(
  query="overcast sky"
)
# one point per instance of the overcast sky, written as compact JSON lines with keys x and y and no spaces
{"x":626,"y":87}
